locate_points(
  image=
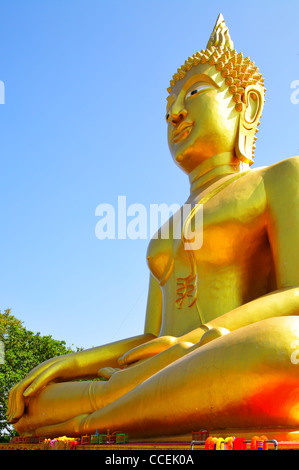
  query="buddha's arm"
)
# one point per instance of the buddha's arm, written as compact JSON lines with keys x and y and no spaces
{"x":281,"y":182}
{"x":282,"y":302}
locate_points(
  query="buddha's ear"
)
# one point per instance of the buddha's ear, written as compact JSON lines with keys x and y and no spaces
{"x":253,"y":103}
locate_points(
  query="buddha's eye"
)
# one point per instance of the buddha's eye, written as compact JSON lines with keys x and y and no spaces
{"x":196,"y":89}
{"x":167,"y":117}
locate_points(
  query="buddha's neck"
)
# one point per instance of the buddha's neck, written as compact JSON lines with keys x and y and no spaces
{"x":214,"y":168}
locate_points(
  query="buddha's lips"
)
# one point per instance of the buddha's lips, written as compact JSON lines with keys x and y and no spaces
{"x":182,"y":131}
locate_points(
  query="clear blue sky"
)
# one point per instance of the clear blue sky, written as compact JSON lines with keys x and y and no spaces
{"x":83,"y":123}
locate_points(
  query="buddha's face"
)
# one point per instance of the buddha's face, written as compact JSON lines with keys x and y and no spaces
{"x":201,"y":116}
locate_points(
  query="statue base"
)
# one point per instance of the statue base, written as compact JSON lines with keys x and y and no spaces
{"x":279,"y":434}
{"x":282,"y":439}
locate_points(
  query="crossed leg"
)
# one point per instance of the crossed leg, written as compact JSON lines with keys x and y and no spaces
{"x":245,"y":379}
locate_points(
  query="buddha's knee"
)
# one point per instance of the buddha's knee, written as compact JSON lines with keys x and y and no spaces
{"x":278,"y":333}
{"x":269,"y":344}
{"x":283,"y":333}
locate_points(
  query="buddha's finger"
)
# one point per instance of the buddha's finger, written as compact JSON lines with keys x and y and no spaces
{"x":10,"y":400}
{"x":10,"y":404}
{"x":107,"y":372}
{"x":72,"y":427}
{"x":147,"y":350}
{"x":212,"y":334}
{"x":139,"y":354}
{"x":16,"y":403}
{"x":43,"y":379}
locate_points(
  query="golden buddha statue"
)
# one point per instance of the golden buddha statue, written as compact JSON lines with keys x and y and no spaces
{"x":221,"y":319}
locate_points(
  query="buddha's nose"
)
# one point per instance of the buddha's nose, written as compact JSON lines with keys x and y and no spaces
{"x":177,"y":118}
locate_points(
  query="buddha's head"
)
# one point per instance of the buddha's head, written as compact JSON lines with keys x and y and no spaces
{"x":215,"y":103}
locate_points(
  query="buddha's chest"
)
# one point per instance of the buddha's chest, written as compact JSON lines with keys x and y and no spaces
{"x":226,"y":231}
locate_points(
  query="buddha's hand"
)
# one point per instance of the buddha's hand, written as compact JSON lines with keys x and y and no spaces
{"x":55,"y":369}
{"x":148,"y":350}
{"x":198,"y":337}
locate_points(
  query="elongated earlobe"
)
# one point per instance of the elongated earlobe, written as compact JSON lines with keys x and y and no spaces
{"x":250,"y":114}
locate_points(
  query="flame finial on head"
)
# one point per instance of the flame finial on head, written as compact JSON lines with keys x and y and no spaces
{"x":220,"y":35}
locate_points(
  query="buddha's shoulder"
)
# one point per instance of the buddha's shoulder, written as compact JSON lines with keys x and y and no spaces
{"x":281,"y":171}
{"x":278,"y":181}
{"x":286,"y":166}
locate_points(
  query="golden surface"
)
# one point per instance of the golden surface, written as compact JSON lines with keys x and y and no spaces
{"x":221,"y":322}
